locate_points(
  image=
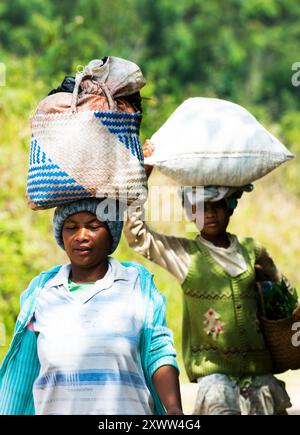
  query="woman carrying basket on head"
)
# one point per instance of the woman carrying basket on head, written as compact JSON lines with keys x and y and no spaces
{"x":91,"y":337}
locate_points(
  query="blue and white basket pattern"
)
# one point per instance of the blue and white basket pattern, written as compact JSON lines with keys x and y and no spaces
{"x":82,"y":155}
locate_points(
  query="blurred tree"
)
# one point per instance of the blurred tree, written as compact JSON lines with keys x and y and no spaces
{"x":241,"y":51}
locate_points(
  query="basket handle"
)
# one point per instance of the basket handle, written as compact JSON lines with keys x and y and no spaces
{"x":78,"y":79}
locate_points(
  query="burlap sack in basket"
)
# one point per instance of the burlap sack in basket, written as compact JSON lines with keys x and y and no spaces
{"x":85,"y":146}
{"x":281,"y":340}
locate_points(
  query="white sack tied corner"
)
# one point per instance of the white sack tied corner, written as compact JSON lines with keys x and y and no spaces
{"x":213,"y":142}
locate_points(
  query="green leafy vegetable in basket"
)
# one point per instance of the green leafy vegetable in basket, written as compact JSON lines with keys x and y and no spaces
{"x":280,"y":299}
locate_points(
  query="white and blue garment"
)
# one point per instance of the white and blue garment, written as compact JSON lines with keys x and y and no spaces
{"x":88,"y":346}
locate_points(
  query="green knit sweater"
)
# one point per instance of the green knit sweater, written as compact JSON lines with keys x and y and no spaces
{"x":221,"y":332}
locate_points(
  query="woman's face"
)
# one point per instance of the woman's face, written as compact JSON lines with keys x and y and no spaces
{"x":87,"y":240}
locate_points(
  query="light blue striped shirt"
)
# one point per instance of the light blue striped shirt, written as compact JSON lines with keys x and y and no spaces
{"x":88,"y":346}
{"x":21,"y":366}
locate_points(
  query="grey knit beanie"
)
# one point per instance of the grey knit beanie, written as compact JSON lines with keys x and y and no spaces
{"x":89,"y":205}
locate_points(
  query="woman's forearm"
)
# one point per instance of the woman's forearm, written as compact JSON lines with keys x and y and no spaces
{"x":166,"y":383}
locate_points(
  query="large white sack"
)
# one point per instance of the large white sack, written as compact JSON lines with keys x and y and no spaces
{"x":208,"y":141}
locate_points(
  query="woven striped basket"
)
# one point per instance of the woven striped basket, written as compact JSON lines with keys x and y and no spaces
{"x":78,"y":154}
{"x":281,"y":339}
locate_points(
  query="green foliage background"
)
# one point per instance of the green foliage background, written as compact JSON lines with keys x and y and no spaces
{"x":237,"y":50}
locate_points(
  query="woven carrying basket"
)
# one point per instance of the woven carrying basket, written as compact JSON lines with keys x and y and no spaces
{"x":84,"y":147}
{"x":279,"y":339}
